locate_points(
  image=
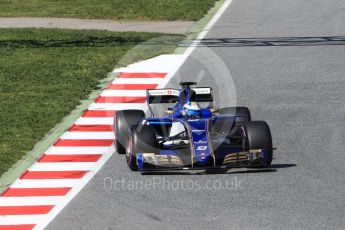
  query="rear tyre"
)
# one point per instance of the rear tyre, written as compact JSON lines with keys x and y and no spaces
{"x":123,"y":120}
{"x":141,"y":139}
{"x":242,"y":112}
{"x":257,"y":135}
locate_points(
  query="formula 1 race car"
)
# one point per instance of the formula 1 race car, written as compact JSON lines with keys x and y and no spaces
{"x":190,"y":137}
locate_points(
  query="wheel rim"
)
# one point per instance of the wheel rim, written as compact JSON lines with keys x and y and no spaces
{"x":129,"y":149}
{"x":244,"y":137}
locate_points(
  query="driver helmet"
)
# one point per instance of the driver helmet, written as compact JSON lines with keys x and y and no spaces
{"x":192,"y":110}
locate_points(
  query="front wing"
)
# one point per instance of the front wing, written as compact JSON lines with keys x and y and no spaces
{"x":152,"y":162}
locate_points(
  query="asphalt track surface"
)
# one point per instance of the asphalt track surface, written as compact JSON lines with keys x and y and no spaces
{"x":288,"y":68}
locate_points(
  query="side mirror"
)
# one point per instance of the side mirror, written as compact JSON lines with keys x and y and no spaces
{"x":168,"y":112}
{"x":214,"y":110}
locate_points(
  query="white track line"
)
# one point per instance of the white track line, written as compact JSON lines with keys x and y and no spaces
{"x":123,"y":93}
{"x":88,"y":135}
{"x":161,"y":64}
{"x":82,"y":166}
{"x":76,"y":150}
{"x":117,"y":106}
{"x":207,"y":28}
{"x":37,"y":200}
{"x":187,"y":53}
{"x":138,"y":80}
{"x":44,"y":183}
{"x":22,"y":219}
{"x":95,"y":121}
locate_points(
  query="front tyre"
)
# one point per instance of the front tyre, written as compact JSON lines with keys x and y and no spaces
{"x":257,"y":135}
{"x":141,"y":139}
{"x":123,"y":120}
{"x":232,"y":127}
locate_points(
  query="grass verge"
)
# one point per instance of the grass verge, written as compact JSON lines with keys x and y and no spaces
{"x":110,"y":9}
{"x":45,"y":73}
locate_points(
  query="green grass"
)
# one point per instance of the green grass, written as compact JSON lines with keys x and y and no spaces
{"x":44,"y":73}
{"x":109,"y":9}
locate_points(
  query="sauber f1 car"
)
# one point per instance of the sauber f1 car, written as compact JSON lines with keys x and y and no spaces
{"x":190,"y":137}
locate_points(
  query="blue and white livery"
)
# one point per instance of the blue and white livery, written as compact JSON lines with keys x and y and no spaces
{"x":189,"y":136}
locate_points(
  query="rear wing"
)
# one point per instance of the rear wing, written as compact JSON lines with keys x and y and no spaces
{"x":203,"y":94}
{"x":159,"y":96}
{"x":155,"y":96}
